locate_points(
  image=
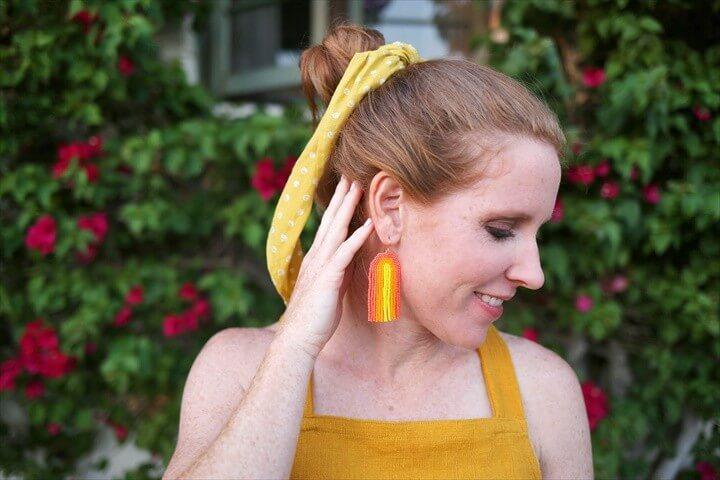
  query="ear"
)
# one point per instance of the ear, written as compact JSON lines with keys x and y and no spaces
{"x":384,"y":203}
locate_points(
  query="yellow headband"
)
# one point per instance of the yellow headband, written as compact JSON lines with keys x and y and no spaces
{"x":366,"y":71}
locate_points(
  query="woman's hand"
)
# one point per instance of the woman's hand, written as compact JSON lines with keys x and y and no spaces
{"x":315,"y":306}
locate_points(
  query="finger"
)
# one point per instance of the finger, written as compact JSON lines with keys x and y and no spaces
{"x":349,"y":247}
{"x":338,"y":230}
{"x":340,"y":191}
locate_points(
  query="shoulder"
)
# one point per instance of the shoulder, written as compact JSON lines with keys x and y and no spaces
{"x":554,"y":408}
{"x":218,"y":379}
{"x":237,"y":350}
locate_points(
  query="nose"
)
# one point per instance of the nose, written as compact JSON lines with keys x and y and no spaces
{"x":526,"y":271}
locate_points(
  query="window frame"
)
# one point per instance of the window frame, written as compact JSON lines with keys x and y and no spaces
{"x":224,"y":84}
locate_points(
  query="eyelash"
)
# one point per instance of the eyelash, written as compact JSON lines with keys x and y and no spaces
{"x":500,"y":235}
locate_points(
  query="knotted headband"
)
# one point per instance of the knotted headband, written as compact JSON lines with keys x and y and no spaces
{"x":366,"y":71}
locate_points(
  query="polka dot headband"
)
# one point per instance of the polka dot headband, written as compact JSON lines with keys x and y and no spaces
{"x":366,"y":71}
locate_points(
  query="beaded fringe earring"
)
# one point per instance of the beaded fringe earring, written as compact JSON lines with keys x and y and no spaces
{"x":384,"y":288}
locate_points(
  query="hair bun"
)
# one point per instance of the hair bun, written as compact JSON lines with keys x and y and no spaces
{"x":322,"y":66}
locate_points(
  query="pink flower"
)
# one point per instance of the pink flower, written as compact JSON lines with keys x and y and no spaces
{"x":97,"y":223}
{"x":530,"y":334}
{"x":583,"y":303}
{"x":189,"y":320}
{"x":581,"y":174}
{"x":135,"y":295}
{"x":602,"y":169}
{"x":9,"y":370}
{"x":126,"y":67}
{"x":42,"y":235}
{"x":188,"y":291}
{"x":701,"y":113}
{"x":610,"y":189}
{"x":558,"y":211}
{"x":122,"y":317}
{"x":264,"y":180}
{"x":593,"y":77}
{"x":617,"y":284}
{"x":596,"y":403}
{"x":89,"y":254}
{"x":706,"y":471}
{"x":651,"y":193}
{"x":34,"y":389}
{"x":54,"y":428}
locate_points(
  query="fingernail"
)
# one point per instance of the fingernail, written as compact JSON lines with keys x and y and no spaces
{"x":352,"y":187}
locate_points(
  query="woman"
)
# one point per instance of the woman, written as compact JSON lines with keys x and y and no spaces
{"x":456,"y":167}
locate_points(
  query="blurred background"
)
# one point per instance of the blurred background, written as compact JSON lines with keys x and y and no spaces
{"x":144,"y":144}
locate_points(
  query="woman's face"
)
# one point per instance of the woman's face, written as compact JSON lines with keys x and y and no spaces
{"x":478,"y":241}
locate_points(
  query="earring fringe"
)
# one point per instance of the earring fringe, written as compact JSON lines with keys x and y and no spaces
{"x":384,"y":288}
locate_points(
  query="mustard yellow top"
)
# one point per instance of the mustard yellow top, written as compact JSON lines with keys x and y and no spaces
{"x":497,"y":447}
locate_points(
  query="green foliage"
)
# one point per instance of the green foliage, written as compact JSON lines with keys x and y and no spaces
{"x":175,"y":184}
{"x":661,"y":62}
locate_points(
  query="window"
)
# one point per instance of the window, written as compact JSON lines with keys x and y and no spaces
{"x":255,"y":45}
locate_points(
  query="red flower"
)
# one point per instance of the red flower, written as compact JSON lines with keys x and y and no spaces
{"x":265,"y":179}
{"x":189,"y":320}
{"x":593,"y":77}
{"x":34,"y":389}
{"x":602,"y":169}
{"x":201,"y":308}
{"x":706,"y":471}
{"x":583,"y":174}
{"x":576,"y":148}
{"x":610,"y":189}
{"x":90,"y":348}
{"x":125,"y":66}
{"x":96,"y":144}
{"x":558,"y":211}
{"x":97,"y":223}
{"x":596,"y":403}
{"x":122,"y":317}
{"x":42,"y":235}
{"x":634,"y":173}
{"x":92,"y":172}
{"x":651,"y":193}
{"x":9,"y":370}
{"x":701,"y":113}
{"x":121,"y":431}
{"x":134,"y":296}
{"x":285,"y":171}
{"x":39,"y":351}
{"x":54,"y":428}
{"x":86,"y":19}
{"x":530,"y":334}
{"x":583,"y":303}
{"x":89,"y":254}
{"x":188,"y":291}
{"x":173,"y":325}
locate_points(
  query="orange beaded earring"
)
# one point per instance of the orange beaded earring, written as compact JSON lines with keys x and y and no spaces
{"x":384,"y":288}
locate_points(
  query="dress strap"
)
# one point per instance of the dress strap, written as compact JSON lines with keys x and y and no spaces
{"x":308,"y":410}
{"x":500,"y":379}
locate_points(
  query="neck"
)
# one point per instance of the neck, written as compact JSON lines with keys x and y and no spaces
{"x":394,"y":352}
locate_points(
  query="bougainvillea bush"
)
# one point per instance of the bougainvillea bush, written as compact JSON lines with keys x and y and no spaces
{"x":134,"y":224}
{"x":631,"y":258}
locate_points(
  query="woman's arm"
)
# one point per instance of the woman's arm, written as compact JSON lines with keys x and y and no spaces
{"x":229,"y":431}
